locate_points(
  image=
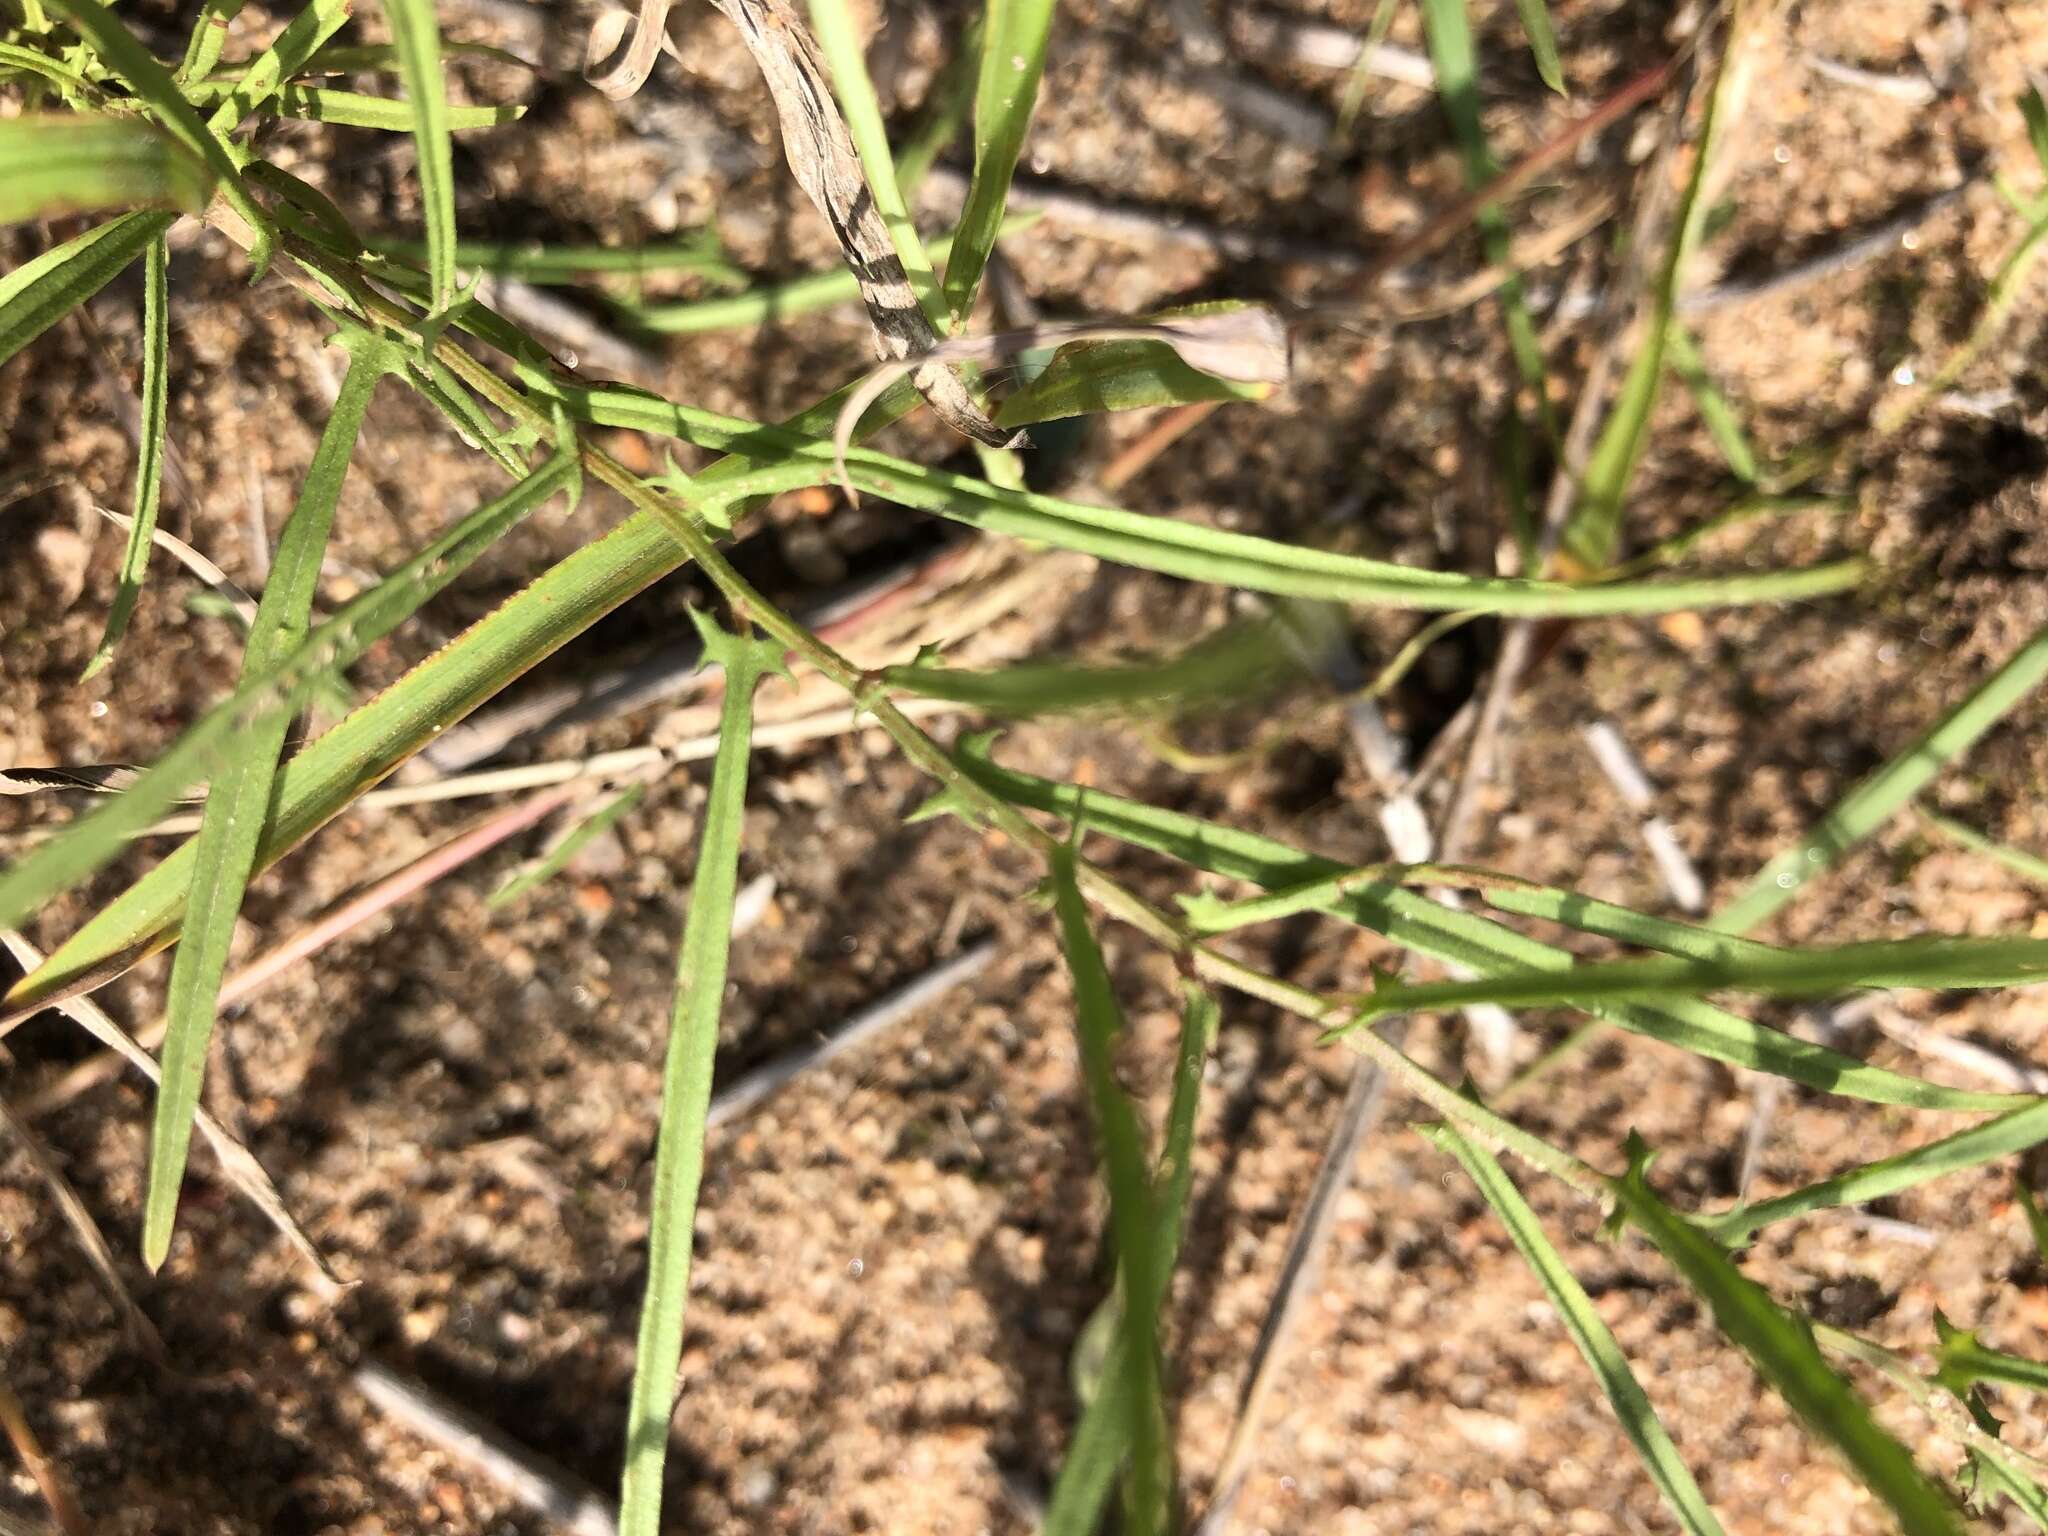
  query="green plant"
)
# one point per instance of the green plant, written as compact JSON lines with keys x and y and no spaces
{"x":157,"y":140}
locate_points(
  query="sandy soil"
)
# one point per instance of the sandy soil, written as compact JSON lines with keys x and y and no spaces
{"x":895,"y":1258}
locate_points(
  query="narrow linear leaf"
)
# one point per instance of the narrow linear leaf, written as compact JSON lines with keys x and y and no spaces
{"x":1871,"y":803}
{"x":205,"y":747}
{"x":701,"y":255}
{"x":1483,"y":946}
{"x":1811,"y":972}
{"x":1013,"y":42}
{"x":1595,"y":523}
{"x":1169,"y":545}
{"x":1090,"y":378}
{"x":418,"y":38}
{"x":686,"y":1080}
{"x":149,"y":460}
{"x":1208,"y":913}
{"x":1980,"y":1144}
{"x":353,"y":109}
{"x":231,"y":828}
{"x":1782,"y":1349}
{"x":1197,"y":553}
{"x":1535,"y":16}
{"x":55,"y":163}
{"x":209,"y":37}
{"x":1232,"y":664}
{"x":449,"y":396}
{"x":2037,"y":1219}
{"x":39,"y":293}
{"x":578,"y":837}
{"x":71,"y":86}
{"x":2035,"y":111}
{"x":2008,"y":283}
{"x":1596,"y":1342}
{"x":2029,"y":867}
{"x":1717,"y":415}
{"x":1102,"y":1438}
{"x":1448,"y":31}
{"x":119,"y":50}
{"x":293,"y":49}
{"x":1149,"y":1480}
{"x":1094,"y":1456}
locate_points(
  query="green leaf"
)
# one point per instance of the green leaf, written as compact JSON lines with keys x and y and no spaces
{"x":686,"y":1080}
{"x":1165,"y":544}
{"x":418,"y":38}
{"x":55,"y":163}
{"x":1149,"y":1480}
{"x":1487,"y":948}
{"x":1716,"y":414}
{"x":1198,"y":553}
{"x":1209,"y":914}
{"x":118,"y":49}
{"x":294,"y":48}
{"x":1811,"y":972}
{"x":700,"y":255}
{"x":149,"y":460}
{"x":353,"y":109}
{"x":2009,"y":1133}
{"x":2037,"y":1220}
{"x":1782,"y":1349}
{"x":557,"y":858}
{"x":1090,"y":377}
{"x":1449,"y":33}
{"x":231,"y":828}
{"x":2035,"y":111}
{"x":1013,"y":39}
{"x":36,"y":295}
{"x":1102,"y":1438}
{"x":1595,"y":1341}
{"x":2007,"y":285}
{"x":204,"y":747}
{"x":209,"y":37}
{"x":1595,"y":523}
{"x":2029,"y":867}
{"x":1542,"y":43}
{"x":1094,"y":1456}
{"x":1871,"y":803}
{"x":71,"y":86}
{"x":1231,"y":664}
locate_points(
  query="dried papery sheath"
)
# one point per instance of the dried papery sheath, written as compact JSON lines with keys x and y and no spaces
{"x":821,"y":155}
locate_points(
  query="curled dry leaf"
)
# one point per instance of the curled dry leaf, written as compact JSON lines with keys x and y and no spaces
{"x":821,"y":155}
{"x":1246,"y":345}
{"x":650,"y":36}
{"x":97,"y":778}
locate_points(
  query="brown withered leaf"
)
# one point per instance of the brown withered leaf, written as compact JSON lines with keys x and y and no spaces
{"x":820,"y":152}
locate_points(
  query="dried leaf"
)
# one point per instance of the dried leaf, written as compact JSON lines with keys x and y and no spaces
{"x":821,"y":155}
{"x":1246,"y":344}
